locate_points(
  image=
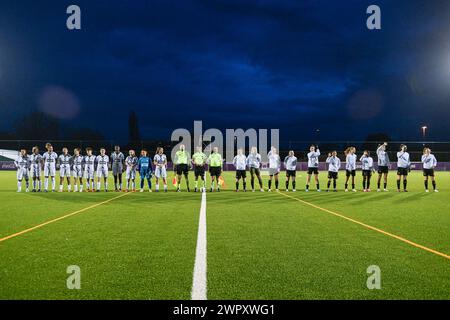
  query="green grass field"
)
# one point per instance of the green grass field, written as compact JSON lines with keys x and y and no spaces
{"x":259,"y":245}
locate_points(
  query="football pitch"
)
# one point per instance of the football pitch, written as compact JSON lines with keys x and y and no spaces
{"x":274,"y":245}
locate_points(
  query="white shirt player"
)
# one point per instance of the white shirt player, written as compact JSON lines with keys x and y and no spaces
{"x":366,"y":163}
{"x":131,"y":163}
{"x":350,"y":162}
{"x":160,"y":168}
{"x":383,"y":157}
{"x":36,"y":162}
{"x":77,"y":166}
{"x":23,"y":166}
{"x":334,"y":164}
{"x":403,"y":160}
{"x":274,"y":160}
{"x":429,"y":161}
{"x":89,"y":165}
{"x":50,"y":164}
{"x":240,"y":162}
{"x":64,"y":165}
{"x":313,"y":159}
{"x":102,"y":166}
{"x":290,"y":162}
{"x":254,"y":160}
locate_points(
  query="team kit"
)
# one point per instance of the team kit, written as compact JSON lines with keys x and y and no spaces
{"x":90,"y":170}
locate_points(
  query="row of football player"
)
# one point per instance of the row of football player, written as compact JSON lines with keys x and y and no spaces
{"x":182,"y":163}
{"x":88,"y":167}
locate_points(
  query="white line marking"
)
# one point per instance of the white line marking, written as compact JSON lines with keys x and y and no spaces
{"x":199,"y":280}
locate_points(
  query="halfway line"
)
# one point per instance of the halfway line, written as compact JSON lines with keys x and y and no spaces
{"x":371,"y":227}
{"x":59,"y":218}
{"x":199,"y":279}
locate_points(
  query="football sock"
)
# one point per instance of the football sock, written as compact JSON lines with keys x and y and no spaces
{"x":434,"y":184}
{"x":426,"y":184}
{"x":398,"y":184}
{"x":405,"y":182}
{"x":276,"y":184}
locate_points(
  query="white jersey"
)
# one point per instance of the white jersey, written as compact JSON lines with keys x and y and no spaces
{"x":254,"y":160}
{"x":383,"y":158}
{"x":274,"y":160}
{"x":102,"y":165}
{"x":23,"y":164}
{"x":50,"y":159}
{"x":89,"y":166}
{"x":403,"y":159}
{"x":313,"y":159}
{"x":36,"y":163}
{"x":290,"y":163}
{"x":64,"y":161}
{"x":77,"y":169}
{"x":366,"y":163}
{"x":350,"y":162}
{"x":334,"y":164}
{"x":131,"y":163}
{"x":429,"y":161}
{"x":160,"y":160}
{"x":240,"y":162}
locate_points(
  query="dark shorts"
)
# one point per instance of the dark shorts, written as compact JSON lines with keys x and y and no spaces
{"x":313,"y":171}
{"x":255,"y":171}
{"x":182,"y":169}
{"x":145,"y":173}
{"x":428,"y":172}
{"x":367,"y":173}
{"x":332,"y":175}
{"x":199,"y":171}
{"x":383,"y":169}
{"x":349,"y":173}
{"x":215,"y":171}
{"x":241,"y":174}
{"x":291,"y":173}
{"x":402,"y":171}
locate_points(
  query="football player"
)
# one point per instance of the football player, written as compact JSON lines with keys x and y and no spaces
{"x":117,"y":159}
{"x":64,"y":162}
{"x":89,"y":170}
{"x":22,"y":164}
{"x":50,"y":159}
{"x":131,"y":163}
{"x":36,"y":166}
{"x":102,"y":161}
{"x":77,"y":170}
{"x":429,"y":163}
{"x":160,"y":162}
{"x":403,"y":167}
{"x":313,"y":167}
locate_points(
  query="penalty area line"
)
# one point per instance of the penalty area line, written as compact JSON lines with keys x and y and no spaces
{"x":411,"y":243}
{"x":59,"y":218}
{"x":199,"y":280}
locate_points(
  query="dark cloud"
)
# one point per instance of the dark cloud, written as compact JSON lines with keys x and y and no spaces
{"x":294,"y":65}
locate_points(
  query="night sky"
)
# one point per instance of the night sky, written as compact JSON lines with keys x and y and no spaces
{"x":294,"y":65}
